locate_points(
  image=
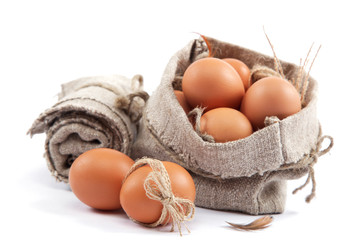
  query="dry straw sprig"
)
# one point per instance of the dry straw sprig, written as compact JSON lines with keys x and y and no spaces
{"x":305,"y":80}
{"x":301,"y":82}
{"x":277,"y":64}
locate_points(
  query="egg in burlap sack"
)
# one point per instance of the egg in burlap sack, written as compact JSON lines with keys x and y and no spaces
{"x":248,"y":175}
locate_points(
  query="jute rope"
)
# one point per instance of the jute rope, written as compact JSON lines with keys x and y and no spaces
{"x":158,"y":187}
{"x":258,"y":71}
{"x":309,"y":161}
{"x":137,"y":82}
{"x":131,"y":106}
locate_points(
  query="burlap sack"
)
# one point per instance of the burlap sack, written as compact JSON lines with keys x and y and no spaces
{"x":87,"y":116}
{"x":247,"y":175}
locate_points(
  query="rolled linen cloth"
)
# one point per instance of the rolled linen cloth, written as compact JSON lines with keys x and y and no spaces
{"x":91,"y":112}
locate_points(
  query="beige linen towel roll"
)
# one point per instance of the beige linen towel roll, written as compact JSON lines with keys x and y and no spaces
{"x":87,"y":116}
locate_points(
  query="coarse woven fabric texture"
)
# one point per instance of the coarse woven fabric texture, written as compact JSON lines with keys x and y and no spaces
{"x":244,"y":175}
{"x":86,"y":117}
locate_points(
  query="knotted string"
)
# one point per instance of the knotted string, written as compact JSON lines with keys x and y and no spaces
{"x":313,"y":158}
{"x":126,"y":103}
{"x":158,"y":187}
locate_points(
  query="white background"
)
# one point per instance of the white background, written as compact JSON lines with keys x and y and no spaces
{"x":46,"y":43}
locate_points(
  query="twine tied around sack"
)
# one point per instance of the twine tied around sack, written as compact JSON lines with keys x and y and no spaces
{"x":130,"y":104}
{"x":309,"y":161}
{"x":157,"y":186}
{"x":132,"y":107}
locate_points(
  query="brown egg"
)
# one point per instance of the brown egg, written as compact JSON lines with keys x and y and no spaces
{"x":270,"y":96}
{"x":211,"y":83}
{"x":242,"y":69}
{"x":182,"y":101}
{"x":225,"y":124}
{"x":96,"y":177}
{"x":139,"y":206}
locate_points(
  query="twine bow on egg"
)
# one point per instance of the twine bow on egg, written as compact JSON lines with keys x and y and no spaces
{"x":157,"y":186}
